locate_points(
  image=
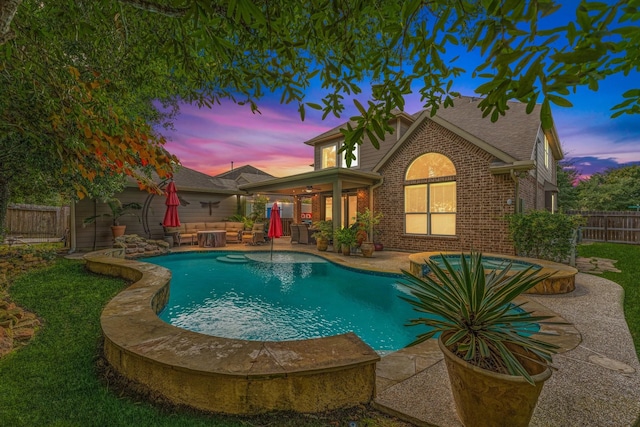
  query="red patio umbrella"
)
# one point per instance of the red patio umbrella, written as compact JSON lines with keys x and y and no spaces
{"x":171,"y":215}
{"x":275,"y":225}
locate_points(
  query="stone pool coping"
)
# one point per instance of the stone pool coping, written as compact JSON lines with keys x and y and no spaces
{"x":562,"y":281}
{"x":220,"y":374}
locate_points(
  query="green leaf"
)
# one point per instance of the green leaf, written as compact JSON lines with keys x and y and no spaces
{"x":563,"y":102}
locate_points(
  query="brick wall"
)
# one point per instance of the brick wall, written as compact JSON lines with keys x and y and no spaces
{"x":481,"y":196}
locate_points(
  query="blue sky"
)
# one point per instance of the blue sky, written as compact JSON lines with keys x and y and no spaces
{"x":208,"y":140}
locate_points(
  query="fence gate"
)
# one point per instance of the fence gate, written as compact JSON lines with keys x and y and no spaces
{"x":33,"y":223}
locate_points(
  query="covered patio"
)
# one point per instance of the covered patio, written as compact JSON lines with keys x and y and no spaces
{"x":353,"y":188}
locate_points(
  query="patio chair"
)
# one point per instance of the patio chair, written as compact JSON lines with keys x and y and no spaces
{"x":255,"y":236}
{"x":295,"y":233}
{"x":303,"y":229}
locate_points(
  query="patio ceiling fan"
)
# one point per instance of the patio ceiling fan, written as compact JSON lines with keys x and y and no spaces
{"x":311,"y":189}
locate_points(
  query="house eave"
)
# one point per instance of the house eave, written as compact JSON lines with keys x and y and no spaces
{"x":196,"y":189}
{"x":326,"y":176}
{"x":517,"y":166}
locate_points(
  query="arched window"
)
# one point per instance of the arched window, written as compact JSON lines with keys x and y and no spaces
{"x":430,"y":196}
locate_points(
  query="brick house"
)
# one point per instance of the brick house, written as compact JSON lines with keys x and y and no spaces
{"x":442,"y":183}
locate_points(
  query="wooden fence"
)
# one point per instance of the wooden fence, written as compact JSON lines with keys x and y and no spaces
{"x":610,"y":226}
{"x":37,"y":223}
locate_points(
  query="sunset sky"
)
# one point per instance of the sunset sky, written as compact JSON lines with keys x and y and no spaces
{"x":208,"y":140}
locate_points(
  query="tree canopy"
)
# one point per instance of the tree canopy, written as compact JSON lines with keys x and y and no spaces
{"x":613,"y":190}
{"x":82,"y":82}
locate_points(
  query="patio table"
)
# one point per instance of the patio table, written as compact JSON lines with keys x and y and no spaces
{"x":212,"y":238}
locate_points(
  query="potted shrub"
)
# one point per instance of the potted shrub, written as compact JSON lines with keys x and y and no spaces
{"x":495,"y":366}
{"x":345,"y":237}
{"x":322,"y":234}
{"x":118,"y":210}
{"x":366,"y":221}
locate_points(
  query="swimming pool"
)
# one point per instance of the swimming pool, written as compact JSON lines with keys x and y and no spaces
{"x":292,"y":297}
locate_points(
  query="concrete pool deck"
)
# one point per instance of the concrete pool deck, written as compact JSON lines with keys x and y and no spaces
{"x":597,"y":383}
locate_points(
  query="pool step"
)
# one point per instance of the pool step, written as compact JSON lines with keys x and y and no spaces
{"x":233,"y":259}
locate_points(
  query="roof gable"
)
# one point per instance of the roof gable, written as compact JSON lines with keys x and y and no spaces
{"x":511,"y":139}
{"x":234,"y":174}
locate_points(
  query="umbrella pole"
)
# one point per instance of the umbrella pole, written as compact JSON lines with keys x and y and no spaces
{"x":272,"y":249}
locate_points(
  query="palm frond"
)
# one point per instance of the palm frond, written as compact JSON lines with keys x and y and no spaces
{"x":476,"y":307}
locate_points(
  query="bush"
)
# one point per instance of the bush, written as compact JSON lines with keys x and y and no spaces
{"x":541,"y":234}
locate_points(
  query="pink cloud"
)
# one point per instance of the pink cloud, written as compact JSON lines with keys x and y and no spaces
{"x":208,"y":140}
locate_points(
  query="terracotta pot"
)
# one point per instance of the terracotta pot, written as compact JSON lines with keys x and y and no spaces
{"x":361,"y":236}
{"x":118,"y":230}
{"x":484,"y":398}
{"x":367,"y":249}
{"x":346,"y":250}
{"x":322,"y":244}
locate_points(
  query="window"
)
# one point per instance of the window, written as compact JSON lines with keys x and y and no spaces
{"x":328,"y":208}
{"x":429,"y":200}
{"x":329,"y":157}
{"x":354,"y":162}
{"x":546,"y":152}
{"x":348,"y":209}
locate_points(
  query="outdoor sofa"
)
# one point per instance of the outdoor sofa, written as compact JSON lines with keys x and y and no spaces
{"x":188,"y":231}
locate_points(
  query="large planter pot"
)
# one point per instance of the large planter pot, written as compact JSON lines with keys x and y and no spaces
{"x":367,"y":249}
{"x":346,"y":249}
{"x":484,"y":398}
{"x":322,"y":244}
{"x":118,"y":230}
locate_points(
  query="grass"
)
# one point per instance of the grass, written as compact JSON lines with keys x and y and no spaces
{"x":54,"y":381}
{"x":627,"y":257}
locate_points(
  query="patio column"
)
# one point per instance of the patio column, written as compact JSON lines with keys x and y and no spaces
{"x":337,"y":208}
{"x":297,"y":209}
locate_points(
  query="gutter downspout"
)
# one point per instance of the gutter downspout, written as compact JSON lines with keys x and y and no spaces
{"x":373,"y":187}
{"x":516,"y":179}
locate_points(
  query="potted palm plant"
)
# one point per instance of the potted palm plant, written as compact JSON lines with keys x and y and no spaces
{"x":322,"y":234}
{"x":496,"y":366}
{"x":118,"y":210}
{"x":346,"y":238}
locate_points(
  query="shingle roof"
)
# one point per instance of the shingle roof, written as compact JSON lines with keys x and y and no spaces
{"x":514,"y":133}
{"x":336,"y":130}
{"x":246,"y":169}
{"x":188,"y":178}
{"x":245,"y":178}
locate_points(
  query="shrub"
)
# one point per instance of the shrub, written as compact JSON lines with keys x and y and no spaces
{"x":541,"y":234}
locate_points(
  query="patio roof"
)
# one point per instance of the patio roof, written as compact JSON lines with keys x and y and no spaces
{"x":320,"y":181}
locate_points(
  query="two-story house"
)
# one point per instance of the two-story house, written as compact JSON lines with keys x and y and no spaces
{"x":442,"y":183}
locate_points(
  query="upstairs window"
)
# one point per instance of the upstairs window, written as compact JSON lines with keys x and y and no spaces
{"x":329,"y":157}
{"x":546,"y":152}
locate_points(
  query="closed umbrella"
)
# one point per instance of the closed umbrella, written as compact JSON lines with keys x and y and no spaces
{"x":171,"y":215}
{"x":275,"y":225}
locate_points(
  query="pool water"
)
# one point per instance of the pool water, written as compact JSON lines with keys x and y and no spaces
{"x":489,"y":263}
{"x":294,"y":297}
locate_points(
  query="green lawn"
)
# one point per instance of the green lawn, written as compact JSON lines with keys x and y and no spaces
{"x":54,"y":381}
{"x":628,"y":257}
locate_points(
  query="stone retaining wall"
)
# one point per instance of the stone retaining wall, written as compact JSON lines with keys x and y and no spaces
{"x":219,"y":374}
{"x":135,"y":246}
